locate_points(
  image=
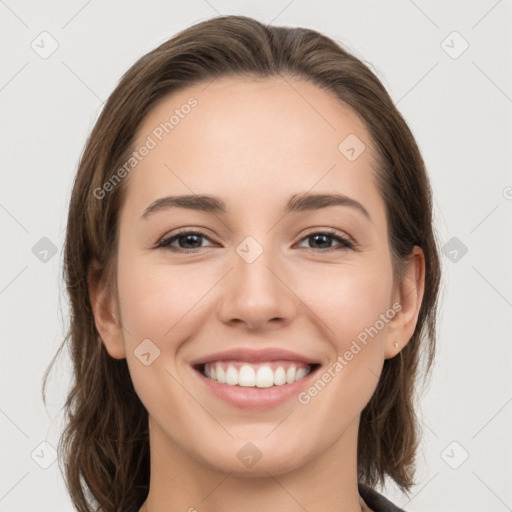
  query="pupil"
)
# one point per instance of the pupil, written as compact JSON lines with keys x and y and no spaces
{"x":315,"y":237}
{"x":188,"y":238}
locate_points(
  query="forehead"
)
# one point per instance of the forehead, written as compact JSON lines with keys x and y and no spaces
{"x":251,"y":138}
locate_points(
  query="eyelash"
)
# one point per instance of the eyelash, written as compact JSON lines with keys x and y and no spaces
{"x":345,"y":242}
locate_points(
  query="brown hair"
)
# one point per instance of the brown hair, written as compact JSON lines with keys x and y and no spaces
{"x":105,"y":445}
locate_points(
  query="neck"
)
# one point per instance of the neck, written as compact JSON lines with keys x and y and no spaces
{"x":180,"y":482}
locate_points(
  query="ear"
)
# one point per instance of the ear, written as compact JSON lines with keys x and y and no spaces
{"x":104,"y":307}
{"x":408,"y":298}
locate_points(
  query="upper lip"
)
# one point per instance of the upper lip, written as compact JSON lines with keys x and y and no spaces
{"x":253,"y":356}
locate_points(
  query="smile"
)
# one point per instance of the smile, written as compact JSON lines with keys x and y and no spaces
{"x":254,"y":379}
{"x":260,"y":375}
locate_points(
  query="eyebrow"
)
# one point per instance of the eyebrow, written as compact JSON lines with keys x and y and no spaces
{"x":216,"y":205}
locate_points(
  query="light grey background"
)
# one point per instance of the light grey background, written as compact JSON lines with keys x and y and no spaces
{"x":458,"y":106}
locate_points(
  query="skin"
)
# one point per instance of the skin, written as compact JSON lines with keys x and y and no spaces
{"x":254,"y":143}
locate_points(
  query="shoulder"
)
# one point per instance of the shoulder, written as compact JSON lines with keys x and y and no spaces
{"x":376,"y":501}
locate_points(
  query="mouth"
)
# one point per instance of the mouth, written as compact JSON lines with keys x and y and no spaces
{"x":254,"y":379}
{"x":259,"y":375}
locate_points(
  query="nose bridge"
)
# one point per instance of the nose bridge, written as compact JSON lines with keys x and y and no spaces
{"x":253,"y":262}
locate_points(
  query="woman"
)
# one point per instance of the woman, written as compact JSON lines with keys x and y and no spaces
{"x":253,"y":275}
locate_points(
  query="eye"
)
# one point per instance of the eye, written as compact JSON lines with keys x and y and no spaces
{"x":184,"y":239}
{"x":321,"y":238}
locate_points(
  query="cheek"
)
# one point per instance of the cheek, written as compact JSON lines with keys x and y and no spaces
{"x":349,"y":300}
{"x":156,"y":298}
{"x":158,"y":303}
{"x":349,"y":303}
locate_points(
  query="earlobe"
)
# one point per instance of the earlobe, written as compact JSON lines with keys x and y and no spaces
{"x":105,"y":312}
{"x":410,"y":296}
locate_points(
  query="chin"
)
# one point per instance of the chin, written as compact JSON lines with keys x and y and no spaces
{"x":257,"y":457}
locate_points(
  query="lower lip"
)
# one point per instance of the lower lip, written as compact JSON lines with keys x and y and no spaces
{"x":256,"y":398}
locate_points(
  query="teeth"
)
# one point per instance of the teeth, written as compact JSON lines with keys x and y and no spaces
{"x":260,"y":376}
{"x":247,"y":376}
{"x":290,"y":375}
{"x":279,"y":376}
{"x":264,"y":377}
{"x":231,"y":376}
{"x":301,"y":372}
{"x":221,"y":375}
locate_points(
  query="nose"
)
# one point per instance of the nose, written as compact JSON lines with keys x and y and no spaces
{"x":257,"y":295}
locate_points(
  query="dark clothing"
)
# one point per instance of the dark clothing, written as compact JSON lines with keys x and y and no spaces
{"x":376,"y":501}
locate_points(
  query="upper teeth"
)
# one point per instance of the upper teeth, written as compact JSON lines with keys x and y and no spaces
{"x":261,"y":376}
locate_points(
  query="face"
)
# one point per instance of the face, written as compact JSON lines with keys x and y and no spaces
{"x":274,"y":285}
